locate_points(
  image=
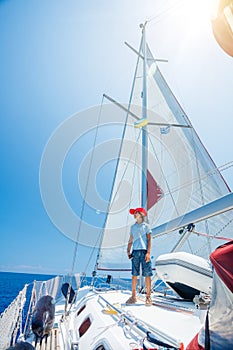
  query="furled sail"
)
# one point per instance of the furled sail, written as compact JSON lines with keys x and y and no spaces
{"x":181,"y":175}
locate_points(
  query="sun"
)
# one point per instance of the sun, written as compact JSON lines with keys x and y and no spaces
{"x":222,"y":24}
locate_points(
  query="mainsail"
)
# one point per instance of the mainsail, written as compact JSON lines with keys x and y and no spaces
{"x":181,"y":175}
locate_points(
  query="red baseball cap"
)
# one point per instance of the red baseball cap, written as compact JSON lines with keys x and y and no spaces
{"x":139,"y":210}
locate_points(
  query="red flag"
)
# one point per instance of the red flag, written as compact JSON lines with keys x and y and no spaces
{"x":154,"y":192}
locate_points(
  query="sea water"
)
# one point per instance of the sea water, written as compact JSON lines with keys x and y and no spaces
{"x":11,"y":283}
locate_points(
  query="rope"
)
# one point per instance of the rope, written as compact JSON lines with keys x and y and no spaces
{"x":200,"y":182}
{"x":82,"y":208}
{"x":130,"y":158}
{"x":127,"y":326}
{"x":212,"y":236}
{"x":207,"y":175}
{"x":11,"y":320}
{"x":161,"y":169}
{"x":123,"y":135}
{"x":29,"y":313}
{"x":167,"y":11}
{"x":126,"y":167}
{"x":85,"y":192}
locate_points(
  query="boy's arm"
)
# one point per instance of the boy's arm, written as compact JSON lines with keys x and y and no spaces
{"x":130,"y":242}
{"x":148,"y":236}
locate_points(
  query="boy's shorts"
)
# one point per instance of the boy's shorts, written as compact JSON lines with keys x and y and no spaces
{"x":139,"y":259}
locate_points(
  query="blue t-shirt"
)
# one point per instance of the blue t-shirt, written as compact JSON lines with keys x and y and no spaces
{"x":139,"y":233}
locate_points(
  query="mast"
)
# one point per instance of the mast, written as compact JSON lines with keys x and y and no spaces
{"x":144,"y":133}
{"x":144,"y":117}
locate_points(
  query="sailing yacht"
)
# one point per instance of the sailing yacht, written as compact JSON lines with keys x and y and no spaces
{"x":157,"y":162}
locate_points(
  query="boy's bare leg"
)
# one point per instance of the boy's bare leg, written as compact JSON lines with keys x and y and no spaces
{"x":134,"y":285}
{"x":148,"y":285}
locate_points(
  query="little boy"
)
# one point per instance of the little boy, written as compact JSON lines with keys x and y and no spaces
{"x":140,"y":240}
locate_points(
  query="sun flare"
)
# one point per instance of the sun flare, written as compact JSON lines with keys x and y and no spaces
{"x":197,"y":13}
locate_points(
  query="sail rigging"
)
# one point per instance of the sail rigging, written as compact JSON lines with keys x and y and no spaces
{"x":162,"y":165}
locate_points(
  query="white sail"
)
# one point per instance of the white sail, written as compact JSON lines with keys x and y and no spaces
{"x":181,"y":176}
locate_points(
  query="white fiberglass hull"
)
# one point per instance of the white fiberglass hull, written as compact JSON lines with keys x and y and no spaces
{"x":185,"y":273}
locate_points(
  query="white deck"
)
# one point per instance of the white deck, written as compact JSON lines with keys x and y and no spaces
{"x":168,"y":320}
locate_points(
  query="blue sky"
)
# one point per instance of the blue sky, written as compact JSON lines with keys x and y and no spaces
{"x":58,"y":58}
